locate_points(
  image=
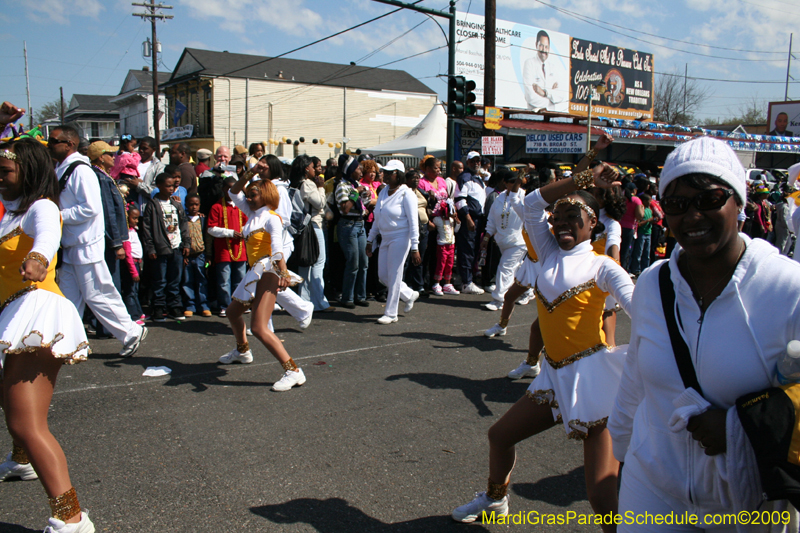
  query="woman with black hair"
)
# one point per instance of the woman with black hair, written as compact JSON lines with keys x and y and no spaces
{"x":397,"y":223}
{"x":351,"y":233}
{"x":580,"y":372}
{"x":40,"y":330}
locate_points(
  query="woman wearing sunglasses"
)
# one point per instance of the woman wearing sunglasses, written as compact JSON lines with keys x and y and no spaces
{"x":735,"y":307}
{"x":580,"y":372}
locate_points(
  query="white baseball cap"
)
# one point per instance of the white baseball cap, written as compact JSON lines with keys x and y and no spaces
{"x":472,"y":155}
{"x":394,"y":164}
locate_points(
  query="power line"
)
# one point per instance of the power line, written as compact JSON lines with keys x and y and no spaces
{"x":582,"y":18}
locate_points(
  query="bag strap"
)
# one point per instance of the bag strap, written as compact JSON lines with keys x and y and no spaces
{"x":682,"y":356}
{"x":62,"y":183}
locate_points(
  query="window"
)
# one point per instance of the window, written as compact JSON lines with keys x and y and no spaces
{"x":95,"y":129}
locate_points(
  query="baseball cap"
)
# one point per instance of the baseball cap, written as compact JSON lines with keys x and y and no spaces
{"x":98,"y":148}
{"x":394,"y":164}
{"x":473,"y":155}
{"x":203,"y":154}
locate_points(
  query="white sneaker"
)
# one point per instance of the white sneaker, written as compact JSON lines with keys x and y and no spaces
{"x":437,"y":290}
{"x":469,"y":512}
{"x":130,"y":348}
{"x":471,"y":289}
{"x":495,"y":330}
{"x":387,"y":319}
{"x":249,"y":332}
{"x":305,"y":323}
{"x":277,"y":307}
{"x":410,"y":303}
{"x":526,"y":298}
{"x":54,"y":525}
{"x":490,"y":288}
{"x":525,"y":370}
{"x":235,"y":356}
{"x":494,"y":305}
{"x":10,"y":469}
{"x":449,"y":289}
{"x":290,"y":379}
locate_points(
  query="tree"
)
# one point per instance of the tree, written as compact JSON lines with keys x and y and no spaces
{"x":47,"y":111}
{"x":676,"y":99}
{"x":753,"y":111}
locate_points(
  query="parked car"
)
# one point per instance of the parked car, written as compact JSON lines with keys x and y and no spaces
{"x":760,"y":174}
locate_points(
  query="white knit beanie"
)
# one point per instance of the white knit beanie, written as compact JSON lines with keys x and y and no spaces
{"x":705,"y":155}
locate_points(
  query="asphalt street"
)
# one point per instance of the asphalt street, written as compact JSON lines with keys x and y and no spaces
{"x":387,"y":435}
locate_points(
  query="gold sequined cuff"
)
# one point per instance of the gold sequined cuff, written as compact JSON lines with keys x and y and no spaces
{"x":65,"y":506}
{"x":243,"y":347}
{"x":591,"y":154}
{"x":249,"y":173}
{"x":18,"y":455}
{"x":503,"y":322}
{"x":289,"y":365}
{"x":584,"y":179}
{"x":36,"y":256}
{"x":533,"y":359}
{"x":497,"y":491}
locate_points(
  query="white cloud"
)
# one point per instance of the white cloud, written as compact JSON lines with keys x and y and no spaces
{"x":240,"y":15}
{"x":59,"y":11}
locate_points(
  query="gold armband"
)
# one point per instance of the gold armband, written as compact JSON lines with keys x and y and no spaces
{"x":583,"y":179}
{"x":36,"y":256}
{"x":591,"y":154}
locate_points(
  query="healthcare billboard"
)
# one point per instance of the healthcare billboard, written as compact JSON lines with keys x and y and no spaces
{"x":532,"y":64}
{"x":626,"y":74}
{"x":543,"y":70}
{"x":784,"y":119}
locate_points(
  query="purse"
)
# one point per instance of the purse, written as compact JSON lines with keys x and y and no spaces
{"x":306,"y":246}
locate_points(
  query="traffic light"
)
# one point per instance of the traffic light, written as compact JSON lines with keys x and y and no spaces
{"x":460,"y":97}
{"x":455,"y":96}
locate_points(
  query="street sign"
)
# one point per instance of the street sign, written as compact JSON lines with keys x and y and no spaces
{"x":555,"y":143}
{"x":492,"y":117}
{"x":491,"y":146}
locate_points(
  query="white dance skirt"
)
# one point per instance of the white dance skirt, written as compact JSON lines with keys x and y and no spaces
{"x":527,"y":273}
{"x":42,"y":319}
{"x":581,"y":394}
{"x":245,"y":293}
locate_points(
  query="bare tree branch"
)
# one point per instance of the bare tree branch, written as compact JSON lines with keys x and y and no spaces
{"x":676,"y":100}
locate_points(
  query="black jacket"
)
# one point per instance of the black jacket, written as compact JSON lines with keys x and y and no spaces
{"x":155,"y":239}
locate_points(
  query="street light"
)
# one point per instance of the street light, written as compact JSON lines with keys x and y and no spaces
{"x":600,"y":88}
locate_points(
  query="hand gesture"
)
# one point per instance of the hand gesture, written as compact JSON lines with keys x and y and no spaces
{"x":605,"y":176}
{"x":33,"y":270}
{"x":9,"y":113}
{"x":603,"y":142}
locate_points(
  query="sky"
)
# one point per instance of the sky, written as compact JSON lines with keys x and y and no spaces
{"x":88,"y":46}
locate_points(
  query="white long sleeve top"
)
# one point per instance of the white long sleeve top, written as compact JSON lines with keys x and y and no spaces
{"x":562,"y":270}
{"x":83,"y":235}
{"x":503,"y":222}
{"x":613,"y":230}
{"x":396,"y":216}
{"x":734,"y":346}
{"x":41,"y":222}
{"x":284,"y":210}
{"x":260,"y":219}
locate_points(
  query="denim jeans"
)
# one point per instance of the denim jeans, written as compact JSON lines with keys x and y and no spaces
{"x":313,"y":287}
{"x":130,"y":292}
{"x":353,"y":240}
{"x":167,"y":276}
{"x":626,"y":247}
{"x":194,"y":284}
{"x":640,"y":259}
{"x":229,"y":275}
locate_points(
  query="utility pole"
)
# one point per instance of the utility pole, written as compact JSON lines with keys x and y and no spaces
{"x":27,"y":86}
{"x":489,"y":53}
{"x":152,"y":15}
{"x":451,"y":62}
{"x":61,"y":90}
{"x":788,"y":66}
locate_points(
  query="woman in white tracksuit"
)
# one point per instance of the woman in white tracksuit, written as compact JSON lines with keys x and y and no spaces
{"x":397,"y":224}
{"x":735,"y":306}
{"x":505,"y":225}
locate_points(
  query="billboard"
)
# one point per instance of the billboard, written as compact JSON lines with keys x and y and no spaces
{"x":539,"y":69}
{"x":532,"y":64}
{"x":626,"y":74}
{"x":783,"y":119}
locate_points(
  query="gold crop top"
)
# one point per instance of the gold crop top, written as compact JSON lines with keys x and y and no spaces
{"x":14,"y":246}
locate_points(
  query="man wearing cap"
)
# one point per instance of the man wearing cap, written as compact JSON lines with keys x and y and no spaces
{"x":203,"y":155}
{"x":85,"y":278}
{"x":469,"y":197}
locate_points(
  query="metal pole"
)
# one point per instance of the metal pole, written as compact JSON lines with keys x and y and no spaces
{"x":344,"y":118}
{"x":489,"y":53}
{"x":61,"y":90}
{"x":788,"y":65}
{"x":156,"y":129}
{"x":27,"y":86}
{"x":589,"y":121}
{"x":246,"y":109}
{"x":451,"y":71}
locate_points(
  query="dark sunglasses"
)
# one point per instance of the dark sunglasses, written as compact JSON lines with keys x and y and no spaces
{"x":126,"y":138}
{"x":51,"y":140}
{"x":704,"y":201}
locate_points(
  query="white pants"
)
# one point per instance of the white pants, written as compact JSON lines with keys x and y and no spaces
{"x":391,"y":263}
{"x":92,"y":285}
{"x":292,"y":302}
{"x":509,"y":262}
